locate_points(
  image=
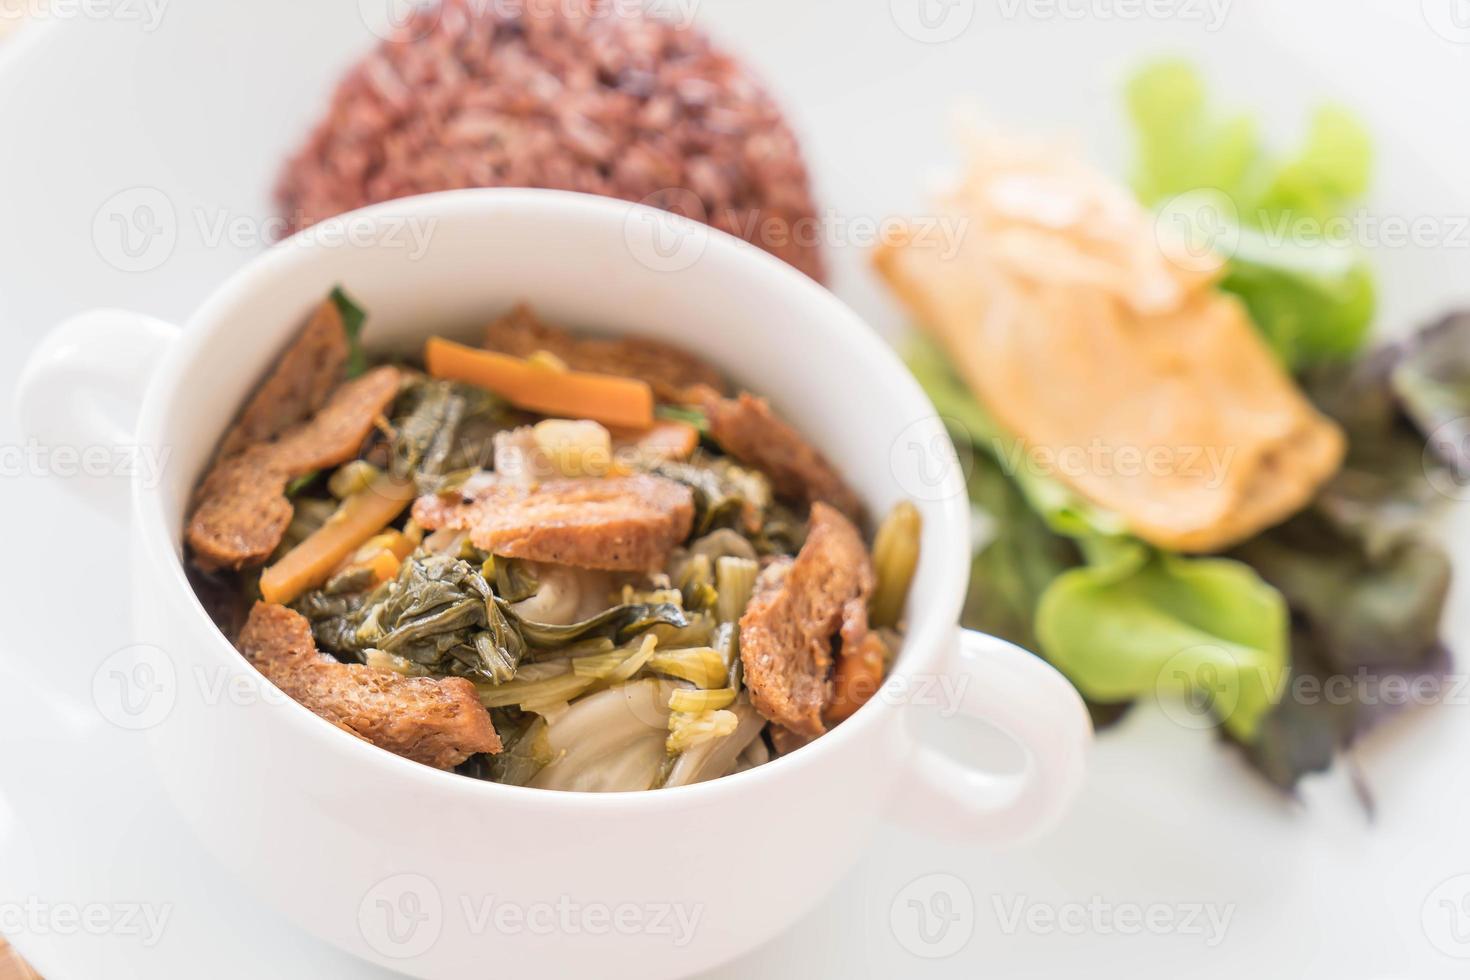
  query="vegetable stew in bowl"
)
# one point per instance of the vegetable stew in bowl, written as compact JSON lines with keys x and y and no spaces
{"x":557,"y":561}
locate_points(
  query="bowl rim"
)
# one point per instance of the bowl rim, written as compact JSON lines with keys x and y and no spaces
{"x":154,"y":534}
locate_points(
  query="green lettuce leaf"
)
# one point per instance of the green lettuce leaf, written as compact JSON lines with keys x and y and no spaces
{"x":1184,"y":146}
{"x":1311,"y":295}
{"x":1137,"y":623}
{"x":1180,"y":146}
{"x":1329,"y":175}
{"x":1058,"y":576}
{"x":1311,"y":304}
{"x":1016,"y":563}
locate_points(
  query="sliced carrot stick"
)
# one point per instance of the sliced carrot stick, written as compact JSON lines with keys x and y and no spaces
{"x":667,"y":439}
{"x":361,"y":516}
{"x":382,"y":562}
{"x":542,"y":388}
{"x":385,"y":565}
{"x":400,"y":544}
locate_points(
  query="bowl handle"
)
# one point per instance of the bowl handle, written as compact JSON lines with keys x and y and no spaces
{"x":80,"y":393}
{"x":1021,"y":695}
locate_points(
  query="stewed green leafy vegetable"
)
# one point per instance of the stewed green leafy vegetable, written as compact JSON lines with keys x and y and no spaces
{"x":442,"y":559}
{"x":439,"y":613}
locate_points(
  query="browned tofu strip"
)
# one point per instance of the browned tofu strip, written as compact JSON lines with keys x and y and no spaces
{"x":437,"y":721}
{"x":667,"y":369}
{"x":303,"y":379}
{"x":336,"y":433}
{"x":241,"y":511}
{"x":861,"y":664}
{"x":747,"y":429}
{"x":619,"y":524}
{"x":799,"y":606}
{"x":1087,"y":334}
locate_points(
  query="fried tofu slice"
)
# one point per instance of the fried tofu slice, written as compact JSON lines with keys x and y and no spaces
{"x":799,"y":606}
{"x":625,"y":524}
{"x":667,"y":369}
{"x":436,"y":721}
{"x":861,"y":666}
{"x":747,"y":429}
{"x":240,"y":509}
{"x":305,"y":376}
{"x":1106,"y":349}
{"x":335,"y":434}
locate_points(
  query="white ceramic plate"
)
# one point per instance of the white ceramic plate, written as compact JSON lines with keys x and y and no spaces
{"x":198,"y":108}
